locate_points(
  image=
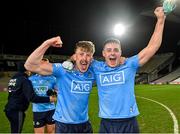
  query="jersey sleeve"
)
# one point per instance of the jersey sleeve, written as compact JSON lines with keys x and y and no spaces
{"x":58,"y":70}
{"x":133,"y":62}
{"x":54,"y":82}
{"x":95,"y":64}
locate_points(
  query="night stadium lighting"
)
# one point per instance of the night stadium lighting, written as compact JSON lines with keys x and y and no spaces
{"x":119,"y":29}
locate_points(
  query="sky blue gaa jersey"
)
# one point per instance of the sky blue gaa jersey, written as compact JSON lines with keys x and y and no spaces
{"x":116,"y":88}
{"x":41,"y":84}
{"x":73,"y":94}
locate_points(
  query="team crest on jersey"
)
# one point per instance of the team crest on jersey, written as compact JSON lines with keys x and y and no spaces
{"x":57,"y":64}
{"x":90,"y":75}
{"x":81,"y":86}
{"x":41,"y":90}
{"x":112,"y":78}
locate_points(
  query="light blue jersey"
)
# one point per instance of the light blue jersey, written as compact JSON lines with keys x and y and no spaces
{"x":73,"y":94}
{"x":116,"y":88}
{"x":41,"y":84}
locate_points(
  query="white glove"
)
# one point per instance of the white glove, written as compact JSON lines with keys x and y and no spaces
{"x":68,"y":65}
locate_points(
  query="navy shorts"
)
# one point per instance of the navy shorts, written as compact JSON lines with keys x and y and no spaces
{"x":73,"y":128}
{"x":127,"y":125}
{"x":41,"y":119}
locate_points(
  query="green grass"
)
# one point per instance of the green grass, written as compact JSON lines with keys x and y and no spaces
{"x":4,"y":127}
{"x":4,"y":124}
{"x":153,"y":118}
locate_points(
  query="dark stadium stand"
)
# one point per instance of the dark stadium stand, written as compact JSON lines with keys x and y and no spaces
{"x":176,"y":81}
{"x":156,"y":61}
{"x":169,"y":77}
{"x":150,"y":71}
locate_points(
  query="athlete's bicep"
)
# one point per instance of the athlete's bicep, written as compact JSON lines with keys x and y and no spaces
{"x":45,"y":69}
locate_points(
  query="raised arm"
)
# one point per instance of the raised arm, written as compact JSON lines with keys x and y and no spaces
{"x":156,"y":39}
{"x":33,"y":62}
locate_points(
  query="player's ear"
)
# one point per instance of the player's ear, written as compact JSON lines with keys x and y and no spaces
{"x":73,"y":57}
{"x":103,"y":53}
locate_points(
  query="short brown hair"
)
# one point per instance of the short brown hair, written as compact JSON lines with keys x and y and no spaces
{"x":87,"y":46}
{"x":112,"y":40}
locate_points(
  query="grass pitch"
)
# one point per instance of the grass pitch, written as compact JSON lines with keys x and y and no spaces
{"x":153,"y":118}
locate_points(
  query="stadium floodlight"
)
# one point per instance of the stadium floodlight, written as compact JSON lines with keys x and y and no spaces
{"x":119,"y":29}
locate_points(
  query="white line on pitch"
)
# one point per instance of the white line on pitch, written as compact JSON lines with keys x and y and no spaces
{"x":176,"y":127}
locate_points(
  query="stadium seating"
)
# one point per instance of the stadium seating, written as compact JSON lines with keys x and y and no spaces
{"x":176,"y":81}
{"x":171,"y":78}
{"x":150,"y":71}
{"x":155,"y":62}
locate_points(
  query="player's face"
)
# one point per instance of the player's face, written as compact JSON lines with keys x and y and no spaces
{"x":82,"y":59}
{"x":112,"y":53}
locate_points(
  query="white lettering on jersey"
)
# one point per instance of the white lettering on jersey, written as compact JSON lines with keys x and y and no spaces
{"x":12,"y":82}
{"x":81,"y":86}
{"x":112,"y":78}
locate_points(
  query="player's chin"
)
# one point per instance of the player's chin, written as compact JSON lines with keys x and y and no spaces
{"x":112,"y":64}
{"x":83,"y":70}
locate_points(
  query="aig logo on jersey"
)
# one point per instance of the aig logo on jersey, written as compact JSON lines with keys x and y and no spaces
{"x":112,"y":78}
{"x":81,"y":86}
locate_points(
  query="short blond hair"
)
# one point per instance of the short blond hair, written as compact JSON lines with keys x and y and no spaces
{"x":86,"y":46}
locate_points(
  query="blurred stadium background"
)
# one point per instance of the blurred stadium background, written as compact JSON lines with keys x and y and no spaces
{"x":163,"y":68}
{"x":157,"y":82}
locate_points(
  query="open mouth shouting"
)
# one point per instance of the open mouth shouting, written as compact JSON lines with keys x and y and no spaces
{"x":112,"y":61}
{"x":83,"y":65}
